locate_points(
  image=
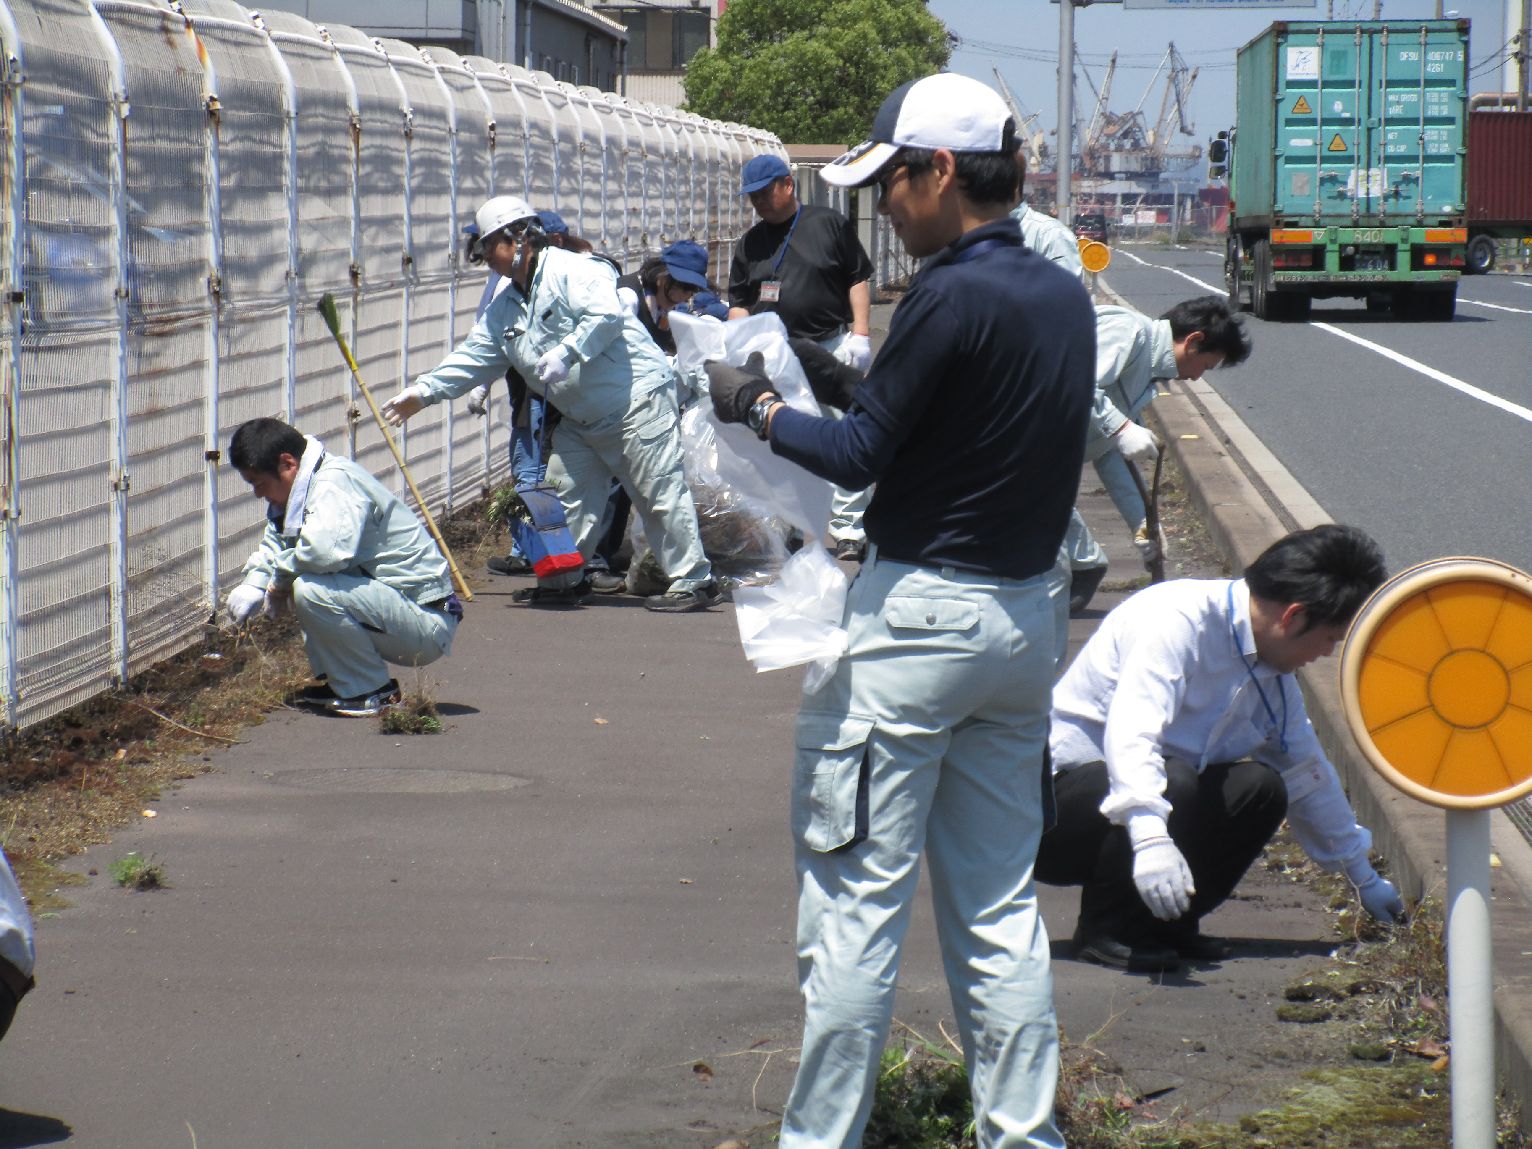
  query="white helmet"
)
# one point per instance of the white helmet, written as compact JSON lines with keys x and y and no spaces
{"x":499,"y":212}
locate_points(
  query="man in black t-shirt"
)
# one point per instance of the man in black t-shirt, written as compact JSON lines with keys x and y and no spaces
{"x":806,"y":263}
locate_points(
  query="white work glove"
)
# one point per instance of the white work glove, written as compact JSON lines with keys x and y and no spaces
{"x":1137,"y":444}
{"x":855,"y":351}
{"x":627,"y":298}
{"x":1149,"y":549}
{"x":1160,"y":871}
{"x":553,"y":367}
{"x":478,"y":401}
{"x":244,"y":600}
{"x":403,"y":405}
{"x":1379,"y":896}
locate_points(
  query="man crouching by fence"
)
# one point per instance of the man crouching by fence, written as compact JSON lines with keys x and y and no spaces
{"x":366,"y":582}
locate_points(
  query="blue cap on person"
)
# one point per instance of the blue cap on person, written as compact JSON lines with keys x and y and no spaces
{"x":553,"y":223}
{"x":941,"y":111}
{"x":687,"y":263}
{"x":762,"y":171}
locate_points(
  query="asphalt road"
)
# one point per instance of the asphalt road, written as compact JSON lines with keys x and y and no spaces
{"x":1420,"y":433}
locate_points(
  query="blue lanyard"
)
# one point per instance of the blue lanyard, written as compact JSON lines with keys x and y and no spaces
{"x":1250,"y":670}
{"x":782,"y":254}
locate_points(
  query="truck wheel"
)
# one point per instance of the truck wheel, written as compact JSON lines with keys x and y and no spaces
{"x":1231,"y":269}
{"x":1295,"y":308}
{"x":1260,"y":297}
{"x":1438,"y":306}
{"x":1480,"y":256}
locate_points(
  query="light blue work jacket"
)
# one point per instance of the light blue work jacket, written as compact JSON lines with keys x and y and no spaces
{"x":1133,"y":353}
{"x":570,"y":302}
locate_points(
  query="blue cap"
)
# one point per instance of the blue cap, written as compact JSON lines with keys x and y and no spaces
{"x":687,"y":263}
{"x":762,"y":171}
{"x":553,"y":223}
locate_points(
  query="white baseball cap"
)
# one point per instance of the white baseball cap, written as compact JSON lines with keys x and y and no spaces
{"x":941,"y":111}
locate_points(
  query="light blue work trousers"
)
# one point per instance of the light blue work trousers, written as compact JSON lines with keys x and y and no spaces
{"x":1083,"y":550}
{"x":641,"y":447}
{"x":1112,"y":468}
{"x":929,"y":740}
{"x":353,"y":627}
{"x":847,"y":507}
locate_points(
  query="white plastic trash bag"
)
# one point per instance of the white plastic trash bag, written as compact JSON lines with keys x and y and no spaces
{"x":740,"y":461}
{"x":796,"y":619}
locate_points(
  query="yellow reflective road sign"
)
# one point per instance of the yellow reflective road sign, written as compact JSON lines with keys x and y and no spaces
{"x":1095,"y":255}
{"x":1436,"y":679}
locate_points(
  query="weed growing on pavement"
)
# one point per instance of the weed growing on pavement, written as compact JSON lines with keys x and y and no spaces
{"x":415,"y":713}
{"x":133,"y":871}
{"x":922,"y":1099}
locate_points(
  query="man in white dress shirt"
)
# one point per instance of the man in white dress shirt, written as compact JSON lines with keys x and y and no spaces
{"x":1180,"y":741}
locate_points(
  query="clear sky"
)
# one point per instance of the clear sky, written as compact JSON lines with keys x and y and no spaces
{"x":1021,"y":37}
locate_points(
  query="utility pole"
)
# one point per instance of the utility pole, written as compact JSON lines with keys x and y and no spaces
{"x":1523,"y":55}
{"x":1065,"y":149}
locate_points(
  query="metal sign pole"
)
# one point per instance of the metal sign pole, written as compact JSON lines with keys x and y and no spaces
{"x":1470,"y":985}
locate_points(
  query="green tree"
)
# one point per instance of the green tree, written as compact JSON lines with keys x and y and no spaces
{"x":813,"y":71}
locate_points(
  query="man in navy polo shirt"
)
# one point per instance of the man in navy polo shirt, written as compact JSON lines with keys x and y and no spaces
{"x":930,"y":736}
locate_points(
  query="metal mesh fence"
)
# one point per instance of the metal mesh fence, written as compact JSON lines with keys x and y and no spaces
{"x":184,"y":182}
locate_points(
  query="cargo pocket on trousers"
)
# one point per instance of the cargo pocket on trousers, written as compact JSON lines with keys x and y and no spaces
{"x":830,"y":807}
{"x":930,"y":614}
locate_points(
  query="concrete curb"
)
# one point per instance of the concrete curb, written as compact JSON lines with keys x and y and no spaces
{"x":1248,"y":500}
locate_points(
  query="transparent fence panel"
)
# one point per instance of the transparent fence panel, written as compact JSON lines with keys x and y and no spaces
{"x":624,"y":157}
{"x":170,"y":346}
{"x":256,"y":254}
{"x":426,"y":263}
{"x":325,"y":186}
{"x":646,"y":177}
{"x":380,"y":308}
{"x":71,"y":344}
{"x":473,"y":116}
{"x":545,"y":140}
{"x":589,"y":161}
{"x":568,"y":174}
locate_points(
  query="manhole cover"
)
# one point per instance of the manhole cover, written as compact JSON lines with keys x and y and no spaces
{"x":397,"y":780}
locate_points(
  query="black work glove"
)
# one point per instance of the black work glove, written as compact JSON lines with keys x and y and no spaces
{"x":832,"y":381}
{"x":734,"y":390}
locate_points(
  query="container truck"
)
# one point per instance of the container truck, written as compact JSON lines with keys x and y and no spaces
{"x":1347,"y":167}
{"x":1499,"y":185}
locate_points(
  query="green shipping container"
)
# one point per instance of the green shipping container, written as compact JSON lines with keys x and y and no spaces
{"x":1352,"y":123}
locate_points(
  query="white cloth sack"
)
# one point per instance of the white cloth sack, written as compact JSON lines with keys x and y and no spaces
{"x":797,"y":619}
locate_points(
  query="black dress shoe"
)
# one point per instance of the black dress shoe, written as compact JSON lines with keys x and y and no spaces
{"x":1082,"y":585}
{"x":1142,"y":958}
{"x":1201,"y":948}
{"x":555,"y":597}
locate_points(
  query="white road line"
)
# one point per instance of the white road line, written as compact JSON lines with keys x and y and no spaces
{"x":1176,"y":271}
{"x":1496,"y":306}
{"x":1388,"y":353}
{"x":1431,"y":373}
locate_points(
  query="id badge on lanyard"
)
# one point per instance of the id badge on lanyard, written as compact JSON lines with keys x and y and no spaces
{"x":771,"y":289}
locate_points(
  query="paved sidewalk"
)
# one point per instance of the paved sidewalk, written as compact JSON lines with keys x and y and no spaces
{"x":566,"y":922}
